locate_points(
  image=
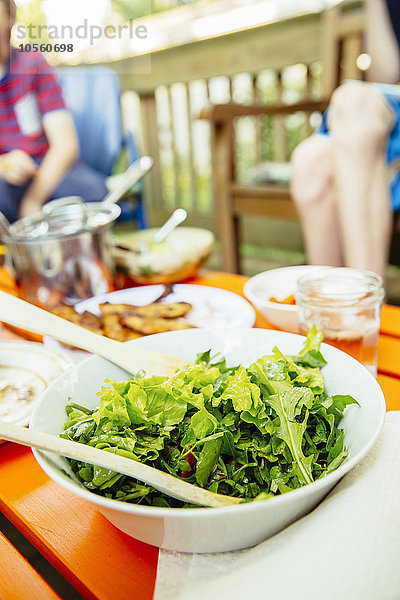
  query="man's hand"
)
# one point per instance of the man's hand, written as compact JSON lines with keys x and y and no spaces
{"x":62,"y":153}
{"x":17,"y":167}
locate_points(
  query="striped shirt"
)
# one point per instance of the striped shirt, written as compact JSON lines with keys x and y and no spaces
{"x":28,"y":90}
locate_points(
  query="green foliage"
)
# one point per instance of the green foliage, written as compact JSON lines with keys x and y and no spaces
{"x":132,"y":10}
{"x":247,"y":432}
{"x":141,"y":8}
{"x":33,"y":14}
{"x":177,"y":185}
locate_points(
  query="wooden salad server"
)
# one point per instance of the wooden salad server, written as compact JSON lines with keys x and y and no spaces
{"x":132,"y":358}
{"x":168,"y":484}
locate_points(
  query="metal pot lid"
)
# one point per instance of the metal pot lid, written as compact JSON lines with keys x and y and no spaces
{"x":65,"y":217}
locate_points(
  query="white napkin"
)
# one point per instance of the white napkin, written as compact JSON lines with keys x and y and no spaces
{"x":348,"y":548}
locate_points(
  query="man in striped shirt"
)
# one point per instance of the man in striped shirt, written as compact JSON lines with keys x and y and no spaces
{"x":38,"y":142}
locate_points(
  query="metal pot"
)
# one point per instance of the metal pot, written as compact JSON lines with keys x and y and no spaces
{"x":63,"y":254}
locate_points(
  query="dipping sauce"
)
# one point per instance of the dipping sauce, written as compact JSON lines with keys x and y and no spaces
{"x":19,"y":388}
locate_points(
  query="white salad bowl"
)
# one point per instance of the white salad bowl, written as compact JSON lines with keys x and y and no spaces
{"x":233,"y":527}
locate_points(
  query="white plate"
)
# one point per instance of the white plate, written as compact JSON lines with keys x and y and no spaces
{"x":212,"y":307}
{"x":26,"y":370}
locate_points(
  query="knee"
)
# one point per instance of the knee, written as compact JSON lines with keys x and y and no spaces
{"x":359,"y":115}
{"x":312,"y":170}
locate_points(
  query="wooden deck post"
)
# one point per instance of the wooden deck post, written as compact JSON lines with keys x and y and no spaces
{"x":153,"y":182}
{"x":222,"y":137}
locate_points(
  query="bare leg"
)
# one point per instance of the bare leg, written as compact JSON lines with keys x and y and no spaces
{"x":313,"y":191}
{"x":360,"y":121}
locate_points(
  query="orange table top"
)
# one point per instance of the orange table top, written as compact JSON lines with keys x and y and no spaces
{"x":14,"y":569}
{"x":98,"y":560}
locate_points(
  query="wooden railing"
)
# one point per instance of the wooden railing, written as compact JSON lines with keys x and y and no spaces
{"x":243,"y":67}
{"x":277,"y":62}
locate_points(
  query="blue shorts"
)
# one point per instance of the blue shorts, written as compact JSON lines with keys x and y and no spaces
{"x":80,"y":180}
{"x":391,"y":93}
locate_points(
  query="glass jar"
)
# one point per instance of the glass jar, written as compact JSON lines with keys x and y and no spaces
{"x":345,"y":306}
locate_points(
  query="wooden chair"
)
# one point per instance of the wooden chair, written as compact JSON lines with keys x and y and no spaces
{"x":341,"y":42}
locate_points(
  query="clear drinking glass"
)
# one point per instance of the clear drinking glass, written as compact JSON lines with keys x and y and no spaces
{"x":345,"y":305}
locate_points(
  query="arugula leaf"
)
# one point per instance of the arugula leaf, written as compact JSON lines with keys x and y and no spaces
{"x":207,"y":460}
{"x":340,"y":402}
{"x":337,"y":404}
{"x":312,"y":358}
{"x":287,"y":406}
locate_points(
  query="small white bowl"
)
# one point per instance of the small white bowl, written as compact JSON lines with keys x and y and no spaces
{"x":277,"y":283}
{"x":26,"y":370}
{"x":233,"y":527}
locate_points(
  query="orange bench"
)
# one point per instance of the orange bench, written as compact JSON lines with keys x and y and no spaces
{"x":18,"y":579}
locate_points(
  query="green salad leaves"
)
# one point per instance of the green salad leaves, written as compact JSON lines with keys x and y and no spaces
{"x":247,"y":432}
